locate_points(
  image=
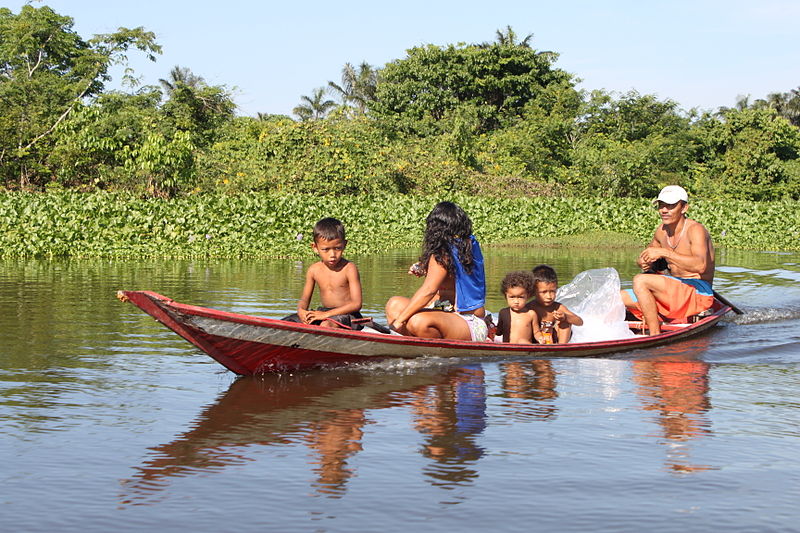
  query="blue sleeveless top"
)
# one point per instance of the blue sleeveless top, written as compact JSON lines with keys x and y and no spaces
{"x":470,"y":288}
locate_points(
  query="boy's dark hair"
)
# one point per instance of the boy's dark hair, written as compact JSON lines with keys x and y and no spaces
{"x":328,"y":229}
{"x":519,"y":278}
{"x":544,"y":273}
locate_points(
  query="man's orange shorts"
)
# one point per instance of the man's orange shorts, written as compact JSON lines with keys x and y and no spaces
{"x":685,"y":297}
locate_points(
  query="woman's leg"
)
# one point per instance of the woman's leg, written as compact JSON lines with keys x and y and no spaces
{"x":395,"y":306}
{"x":438,"y":325}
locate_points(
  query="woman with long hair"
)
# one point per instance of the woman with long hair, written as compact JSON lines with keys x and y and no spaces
{"x":450,"y":302}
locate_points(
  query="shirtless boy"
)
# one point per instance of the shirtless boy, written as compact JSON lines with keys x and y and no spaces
{"x":686,"y":248}
{"x":516,"y":323}
{"x":555,"y":320}
{"x":337,"y":278}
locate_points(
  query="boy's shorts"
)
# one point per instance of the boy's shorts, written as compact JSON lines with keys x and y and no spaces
{"x":344,"y":320}
{"x":685,"y":297}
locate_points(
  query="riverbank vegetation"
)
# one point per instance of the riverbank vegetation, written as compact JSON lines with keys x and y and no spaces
{"x":122,"y":224}
{"x":172,"y":169}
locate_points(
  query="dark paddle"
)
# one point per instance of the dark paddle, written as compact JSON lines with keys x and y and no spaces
{"x":727,"y":302}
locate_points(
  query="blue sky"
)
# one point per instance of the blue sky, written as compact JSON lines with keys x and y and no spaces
{"x":699,"y":53}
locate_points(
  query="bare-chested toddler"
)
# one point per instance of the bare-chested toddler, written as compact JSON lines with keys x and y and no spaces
{"x":517,"y":323}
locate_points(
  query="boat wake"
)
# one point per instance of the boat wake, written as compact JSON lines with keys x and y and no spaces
{"x":766,"y":314}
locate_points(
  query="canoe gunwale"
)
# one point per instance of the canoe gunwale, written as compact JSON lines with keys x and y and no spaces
{"x":306,"y":342}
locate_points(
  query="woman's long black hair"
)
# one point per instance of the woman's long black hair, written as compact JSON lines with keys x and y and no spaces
{"x":447,"y":225}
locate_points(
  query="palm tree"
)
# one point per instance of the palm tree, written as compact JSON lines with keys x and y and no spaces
{"x":509,"y":38}
{"x":181,"y":76}
{"x":315,"y":106}
{"x":358,"y":85}
{"x":787,"y":105}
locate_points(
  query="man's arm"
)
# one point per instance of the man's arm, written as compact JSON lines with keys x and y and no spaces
{"x":643,"y":261}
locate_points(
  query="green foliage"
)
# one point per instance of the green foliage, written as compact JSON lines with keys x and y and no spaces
{"x":539,"y":143}
{"x":325,"y":156}
{"x":200,"y":110}
{"x":628,"y":146}
{"x":315,"y":106}
{"x":357,"y":87}
{"x":786,"y":105}
{"x":750,"y":154}
{"x":630,"y":117}
{"x":167,"y":163}
{"x":332,"y":157}
{"x":493,"y":119}
{"x":93,"y":146}
{"x":496,"y":80}
{"x":108,"y":224}
{"x":46,"y":70}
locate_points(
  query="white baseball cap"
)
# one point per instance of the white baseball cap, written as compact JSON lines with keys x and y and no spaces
{"x":672,"y":194}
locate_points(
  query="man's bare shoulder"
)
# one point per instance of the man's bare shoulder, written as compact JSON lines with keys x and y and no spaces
{"x":659,"y":234}
{"x":696,"y":230}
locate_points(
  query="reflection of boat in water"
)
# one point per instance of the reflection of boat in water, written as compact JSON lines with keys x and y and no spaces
{"x":325,"y":411}
{"x":250,"y":345}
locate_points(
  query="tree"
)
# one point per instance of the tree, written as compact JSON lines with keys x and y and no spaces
{"x":497,"y":80}
{"x":630,"y":116}
{"x":509,"y":38}
{"x":315,"y":106}
{"x":786,"y":104}
{"x":750,"y":154}
{"x":46,"y":70}
{"x":181,"y":76}
{"x":357,"y":87}
{"x":199,"y":110}
{"x":92,"y":145}
{"x":629,"y":145}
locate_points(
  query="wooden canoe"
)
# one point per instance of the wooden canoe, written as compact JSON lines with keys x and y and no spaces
{"x":249,"y":345}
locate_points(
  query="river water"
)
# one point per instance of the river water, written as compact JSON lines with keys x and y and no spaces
{"x":110,"y":422}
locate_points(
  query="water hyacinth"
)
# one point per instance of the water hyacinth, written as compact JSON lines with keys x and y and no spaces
{"x":115,"y":224}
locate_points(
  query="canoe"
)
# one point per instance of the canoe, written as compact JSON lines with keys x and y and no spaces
{"x":248,"y":345}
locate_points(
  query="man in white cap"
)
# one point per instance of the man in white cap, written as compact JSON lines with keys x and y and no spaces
{"x":682,"y":247}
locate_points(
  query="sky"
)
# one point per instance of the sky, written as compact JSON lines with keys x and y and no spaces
{"x":699,"y":53}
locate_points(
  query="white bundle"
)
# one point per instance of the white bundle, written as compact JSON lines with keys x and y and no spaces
{"x":594,"y":296}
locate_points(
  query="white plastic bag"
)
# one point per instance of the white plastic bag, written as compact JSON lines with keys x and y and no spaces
{"x":594,"y":296}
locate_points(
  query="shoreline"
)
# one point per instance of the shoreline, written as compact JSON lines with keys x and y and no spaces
{"x":260,"y":225}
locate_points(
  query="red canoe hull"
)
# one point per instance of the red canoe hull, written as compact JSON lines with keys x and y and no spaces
{"x":249,"y":345}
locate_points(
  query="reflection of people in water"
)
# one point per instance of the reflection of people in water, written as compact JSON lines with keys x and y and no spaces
{"x":451,"y":415}
{"x":677,"y":390}
{"x":530,"y":380}
{"x":336,"y":438}
{"x":328,"y":409}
